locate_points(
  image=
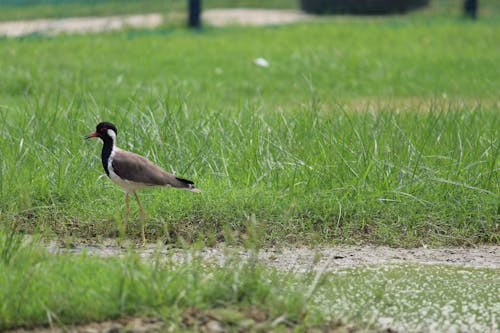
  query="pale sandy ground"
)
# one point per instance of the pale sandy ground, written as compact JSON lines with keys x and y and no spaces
{"x":213,"y":17}
{"x":78,"y":24}
{"x":303,"y":259}
{"x":222,"y":17}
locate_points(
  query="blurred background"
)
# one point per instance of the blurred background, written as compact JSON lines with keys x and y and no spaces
{"x":31,"y":9}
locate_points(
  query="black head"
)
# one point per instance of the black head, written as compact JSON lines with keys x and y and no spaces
{"x":101,"y":130}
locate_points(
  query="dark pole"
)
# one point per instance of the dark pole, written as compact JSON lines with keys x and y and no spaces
{"x":470,"y":8}
{"x":194,"y":14}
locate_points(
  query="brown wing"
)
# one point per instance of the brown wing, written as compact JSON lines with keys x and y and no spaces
{"x":139,"y":169}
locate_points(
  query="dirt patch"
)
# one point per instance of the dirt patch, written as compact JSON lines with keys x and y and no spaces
{"x":304,"y":259}
{"x":224,"y":17}
{"x":126,"y":324}
{"x":219,"y":320}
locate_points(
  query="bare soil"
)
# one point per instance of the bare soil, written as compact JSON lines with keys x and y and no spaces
{"x":302,"y":259}
{"x":195,"y":320}
{"x":126,"y":324}
{"x":243,"y":16}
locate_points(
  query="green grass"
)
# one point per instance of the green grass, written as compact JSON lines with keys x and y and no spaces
{"x":39,"y":289}
{"x":380,"y":131}
{"x":327,"y":62}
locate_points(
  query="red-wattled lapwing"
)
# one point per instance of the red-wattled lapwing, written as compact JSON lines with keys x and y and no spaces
{"x":132,"y":171}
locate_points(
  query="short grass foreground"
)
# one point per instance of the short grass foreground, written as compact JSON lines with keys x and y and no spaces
{"x":38,"y":289}
{"x":374,"y":131}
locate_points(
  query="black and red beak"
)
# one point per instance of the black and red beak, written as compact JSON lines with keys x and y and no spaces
{"x":91,"y":135}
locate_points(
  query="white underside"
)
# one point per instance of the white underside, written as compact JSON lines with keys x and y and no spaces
{"x":127,"y":185}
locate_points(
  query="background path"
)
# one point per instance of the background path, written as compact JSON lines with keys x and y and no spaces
{"x":213,"y":17}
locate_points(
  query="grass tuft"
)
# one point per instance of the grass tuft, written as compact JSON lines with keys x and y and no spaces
{"x":303,"y":176}
{"x":40,"y":289}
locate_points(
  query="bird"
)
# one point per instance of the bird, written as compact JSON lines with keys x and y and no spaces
{"x":132,"y":171}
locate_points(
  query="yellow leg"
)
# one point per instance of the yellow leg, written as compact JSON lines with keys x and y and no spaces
{"x":141,"y":212}
{"x":127,"y":211}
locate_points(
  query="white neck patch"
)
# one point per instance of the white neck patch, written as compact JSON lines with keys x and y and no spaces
{"x":112,"y":135}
